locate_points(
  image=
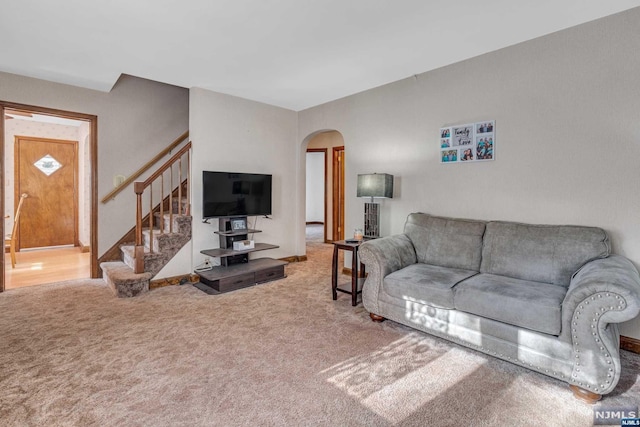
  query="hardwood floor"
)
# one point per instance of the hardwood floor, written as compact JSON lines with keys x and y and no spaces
{"x":38,"y":267}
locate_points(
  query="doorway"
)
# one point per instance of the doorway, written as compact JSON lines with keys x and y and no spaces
{"x":30,"y":157}
{"x":316,"y":203}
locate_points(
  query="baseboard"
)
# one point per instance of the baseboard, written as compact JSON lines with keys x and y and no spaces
{"x":630,"y":344}
{"x":175,"y":280}
{"x":315,"y":223}
{"x":295,"y":258}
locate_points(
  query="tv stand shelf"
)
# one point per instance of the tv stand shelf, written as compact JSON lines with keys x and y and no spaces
{"x":236,"y":270}
{"x":223,"y":253}
{"x":237,"y":232}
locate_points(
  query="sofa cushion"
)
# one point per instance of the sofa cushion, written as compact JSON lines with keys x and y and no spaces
{"x":541,"y":253}
{"x":522,"y":303}
{"x":427,"y":284}
{"x":447,"y":242}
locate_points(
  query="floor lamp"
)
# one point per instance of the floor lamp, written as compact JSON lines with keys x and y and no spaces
{"x":375,"y":185}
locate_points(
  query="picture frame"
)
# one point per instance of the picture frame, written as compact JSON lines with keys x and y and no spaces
{"x":238,"y":224}
{"x":468,"y":143}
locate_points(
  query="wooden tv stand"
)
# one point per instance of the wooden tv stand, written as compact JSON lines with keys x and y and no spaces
{"x":236,"y":271}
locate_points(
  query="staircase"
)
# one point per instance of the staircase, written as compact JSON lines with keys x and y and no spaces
{"x":159,"y":236}
{"x":121,"y":276}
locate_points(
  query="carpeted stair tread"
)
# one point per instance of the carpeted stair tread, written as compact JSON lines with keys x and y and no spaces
{"x":157,"y":232}
{"x":120,"y":272}
{"x":183,"y":203}
{"x":176,"y":217}
{"x":181,"y":223}
{"x":123,"y":281}
{"x":130,"y":249}
{"x":153,"y":262}
{"x":163,"y":242}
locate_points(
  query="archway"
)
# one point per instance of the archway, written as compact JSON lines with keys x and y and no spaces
{"x":330,"y":143}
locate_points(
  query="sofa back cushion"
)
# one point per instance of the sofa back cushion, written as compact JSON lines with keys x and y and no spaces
{"x":541,"y":253}
{"x":447,"y":242}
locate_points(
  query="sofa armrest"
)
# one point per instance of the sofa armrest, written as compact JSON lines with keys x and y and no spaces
{"x":615,"y":275}
{"x":602,"y":292}
{"x":382,"y":257}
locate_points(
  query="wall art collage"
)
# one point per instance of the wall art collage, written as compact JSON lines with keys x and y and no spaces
{"x":473,"y":142}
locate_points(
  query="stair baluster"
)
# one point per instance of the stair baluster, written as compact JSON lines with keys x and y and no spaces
{"x":171,"y":199}
{"x":180,"y":187}
{"x":151,"y":218}
{"x":162,"y":204}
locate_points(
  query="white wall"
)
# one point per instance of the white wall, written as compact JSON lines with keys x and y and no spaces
{"x":136,"y":120}
{"x":237,"y":135}
{"x":567,"y":135}
{"x":315,"y":187}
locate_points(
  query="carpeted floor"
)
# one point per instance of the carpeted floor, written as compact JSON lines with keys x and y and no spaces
{"x":277,"y":354}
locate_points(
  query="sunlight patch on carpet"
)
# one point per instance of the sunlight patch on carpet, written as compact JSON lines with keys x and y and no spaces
{"x":402,"y":377}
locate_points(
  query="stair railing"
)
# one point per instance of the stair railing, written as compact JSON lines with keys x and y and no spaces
{"x":139,"y":187}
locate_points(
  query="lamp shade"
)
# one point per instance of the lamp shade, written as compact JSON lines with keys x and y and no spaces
{"x":375,"y":185}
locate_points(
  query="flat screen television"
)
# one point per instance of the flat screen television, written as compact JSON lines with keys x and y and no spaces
{"x":228,"y":194}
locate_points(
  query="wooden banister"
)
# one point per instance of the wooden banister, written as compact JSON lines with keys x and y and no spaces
{"x":112,"y":194}
{"x":167,"y":165}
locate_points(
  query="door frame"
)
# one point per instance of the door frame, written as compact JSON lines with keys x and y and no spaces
{"x":338,"y":193}
{"x":326,"y":179}
{"x":76,"y":188}
{"x":93,"y":172}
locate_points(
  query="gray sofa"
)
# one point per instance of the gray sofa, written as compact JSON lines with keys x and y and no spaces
{"x":544,"y":297}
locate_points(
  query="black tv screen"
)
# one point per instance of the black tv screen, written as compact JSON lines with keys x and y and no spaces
{"x":226,"y":194}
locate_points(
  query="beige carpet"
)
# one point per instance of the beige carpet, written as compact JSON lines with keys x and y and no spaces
{"x":278,"y":354}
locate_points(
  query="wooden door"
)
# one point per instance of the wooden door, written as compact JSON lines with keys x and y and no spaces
{"x":338,"y":193}
{"x":47,"y":170}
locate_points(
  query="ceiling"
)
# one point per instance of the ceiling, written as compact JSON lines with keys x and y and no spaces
{"x":291,"y":53}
